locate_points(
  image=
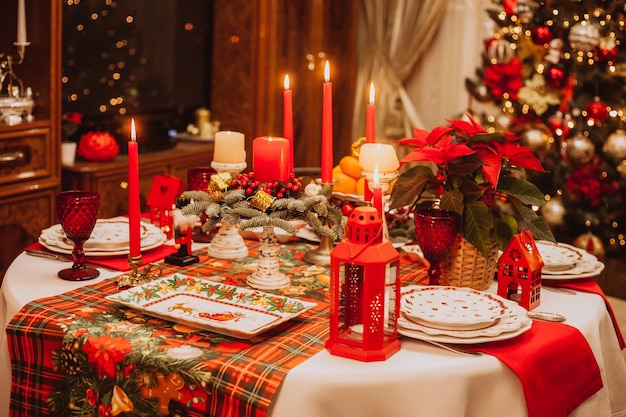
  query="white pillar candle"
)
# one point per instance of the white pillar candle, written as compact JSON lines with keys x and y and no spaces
{"x":21,"y":23}
{"x":229,"y":148}
{"x":381,"y":155}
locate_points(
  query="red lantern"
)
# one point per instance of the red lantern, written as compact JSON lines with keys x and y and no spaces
{"x":364,"y":291}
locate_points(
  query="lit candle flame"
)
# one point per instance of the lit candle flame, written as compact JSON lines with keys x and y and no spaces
{"x":376,"y":175}
{"x":327,"y":72}
{"x":372,"y":95}
{"x":133,"y":134}
{"x":286,"y":82}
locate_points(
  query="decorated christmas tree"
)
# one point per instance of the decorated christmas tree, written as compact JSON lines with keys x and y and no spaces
{"x":554,"y":73}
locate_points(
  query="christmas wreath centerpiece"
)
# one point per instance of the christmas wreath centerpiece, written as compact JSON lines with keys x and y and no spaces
{"x":479,"y":175}
{"x":240,"y":200}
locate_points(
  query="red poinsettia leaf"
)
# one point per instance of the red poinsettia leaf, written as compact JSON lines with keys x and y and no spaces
{"x":526,"y":160}
{"x":437,"y":134}
{"x":491,"y":167}
{"x":416,"y":155}
{"x":412,"y":142}
{"x":470,"y":127}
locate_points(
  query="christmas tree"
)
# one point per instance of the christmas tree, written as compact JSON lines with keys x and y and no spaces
{"x":554,"y":73}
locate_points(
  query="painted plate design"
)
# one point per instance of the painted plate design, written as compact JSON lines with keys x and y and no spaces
{"x":448,"y":307}
{"x":221,"y":308}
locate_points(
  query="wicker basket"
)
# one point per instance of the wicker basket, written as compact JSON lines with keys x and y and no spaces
{"x":465,"y":266}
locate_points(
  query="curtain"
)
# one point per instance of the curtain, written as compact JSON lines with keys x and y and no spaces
{"x":397,"y":33}
{"x":417,"y":54}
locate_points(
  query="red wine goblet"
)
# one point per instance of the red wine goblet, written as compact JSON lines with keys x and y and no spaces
{"x":77,"y":212}
{"x":435,"y":232}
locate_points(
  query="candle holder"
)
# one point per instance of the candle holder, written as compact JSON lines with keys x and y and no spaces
{"x":384,"y":179}
{"x":227,"y":243}
{"x":268,"y":275}
{"x":232,"y":168}
{"x":321,"y":254}
{"x":17,"y":103}
{"x":136,"y":277}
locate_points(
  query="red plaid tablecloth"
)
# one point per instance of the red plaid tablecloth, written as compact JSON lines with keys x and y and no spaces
{"x":80,"y":354}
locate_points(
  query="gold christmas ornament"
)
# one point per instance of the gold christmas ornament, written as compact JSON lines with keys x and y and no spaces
{"x":262,"y":200}
{"x":220,"y":181}
{"x":579,"y":149}
{"x":615,"y":146}
{"x":584,"y":36}
{"x":554,"y":212}
{"x":120,"y":403}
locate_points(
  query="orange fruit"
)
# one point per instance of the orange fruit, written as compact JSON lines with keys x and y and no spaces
{"x":350,"y":165}
{"x":360,"y":186}
{"x":336,"y":170}
{"x":345,"y":183}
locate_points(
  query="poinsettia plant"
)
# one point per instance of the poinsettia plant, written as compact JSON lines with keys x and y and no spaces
{"x":480,"y":175}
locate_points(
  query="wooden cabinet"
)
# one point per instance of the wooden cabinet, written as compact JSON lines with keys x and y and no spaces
{"x":109,"y":178}
{"x":30,"y":172}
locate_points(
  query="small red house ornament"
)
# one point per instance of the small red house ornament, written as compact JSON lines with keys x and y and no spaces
{"x":519,"y":271}
{"x":161,"y":201}
{"x":364,"y":291}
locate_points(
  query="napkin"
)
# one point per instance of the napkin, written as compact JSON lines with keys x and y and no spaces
{"x":554,"y":364}
{"x":591,"y":286}
{"x":120,"y":263}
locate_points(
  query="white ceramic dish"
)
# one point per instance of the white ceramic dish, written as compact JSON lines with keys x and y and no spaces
{"x":110,"y":238}
{"x":513,"y":319}
{"x":558,"y":256}
{"x":448,"y":307}
{"x":225,"y":309}
{"x":592,"y":269}
{"x":416,"y":334}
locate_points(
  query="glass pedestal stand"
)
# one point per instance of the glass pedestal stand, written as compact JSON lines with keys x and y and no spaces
{"x":268,"y":275}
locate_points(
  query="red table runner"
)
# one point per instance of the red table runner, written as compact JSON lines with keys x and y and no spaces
{"x":555,"y":365}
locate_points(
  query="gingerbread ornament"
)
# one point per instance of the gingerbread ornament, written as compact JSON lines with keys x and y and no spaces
{"x":167,"y":389}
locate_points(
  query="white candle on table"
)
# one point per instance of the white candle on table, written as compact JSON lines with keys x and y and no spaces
{"x":229,"y":147}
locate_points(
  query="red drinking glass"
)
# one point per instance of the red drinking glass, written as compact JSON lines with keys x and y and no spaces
{"x":435,"y":232}
{"x":198,"y":178}
{"x":77,"y":212}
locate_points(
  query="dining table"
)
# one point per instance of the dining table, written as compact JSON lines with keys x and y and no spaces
{"x":286,"y":370}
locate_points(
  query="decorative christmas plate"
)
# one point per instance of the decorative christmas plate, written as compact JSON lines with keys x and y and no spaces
{"x":448,"y":307}
{"x":416,"y":334}
{"x":221,"y":308}
{"x":513,"y":319}
{"x":558,"y":256}
{"x":109,"y":238}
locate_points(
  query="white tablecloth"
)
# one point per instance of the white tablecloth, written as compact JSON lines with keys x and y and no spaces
{"x":419,"y":380}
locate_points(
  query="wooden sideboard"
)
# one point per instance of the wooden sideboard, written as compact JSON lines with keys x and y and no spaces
{"x":109,"y":178}
{"x":30,"y":170}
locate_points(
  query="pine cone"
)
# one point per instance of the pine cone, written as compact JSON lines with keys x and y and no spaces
{"x":69,"y":358}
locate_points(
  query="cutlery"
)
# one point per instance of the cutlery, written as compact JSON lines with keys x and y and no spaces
{"x":546,"y":316}
{"x":55,"y":256}
{"x":48,"y":255}
{"x":452,"y":348}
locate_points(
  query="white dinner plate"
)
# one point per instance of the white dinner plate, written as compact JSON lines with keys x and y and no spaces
{"x":416,"y":334}
{"x":513,"y":319}
{"x":596,"y":269}
{"x":54,"y":239}
{"x":449,"y":307}
{"x":558,"y":256}
{"x":226,"y":309}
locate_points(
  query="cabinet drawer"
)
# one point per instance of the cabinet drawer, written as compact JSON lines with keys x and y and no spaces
{"x":22,"y":218}
{"x":26,"y":155}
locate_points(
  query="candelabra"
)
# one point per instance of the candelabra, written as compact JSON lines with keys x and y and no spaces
{"x":16,"y":102}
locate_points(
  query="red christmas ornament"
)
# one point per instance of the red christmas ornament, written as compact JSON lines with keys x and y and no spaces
{"x":541,"y":35}
{"x":597,"y":110}
{"x":560,"y":124}
{"x":555,"y":76}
